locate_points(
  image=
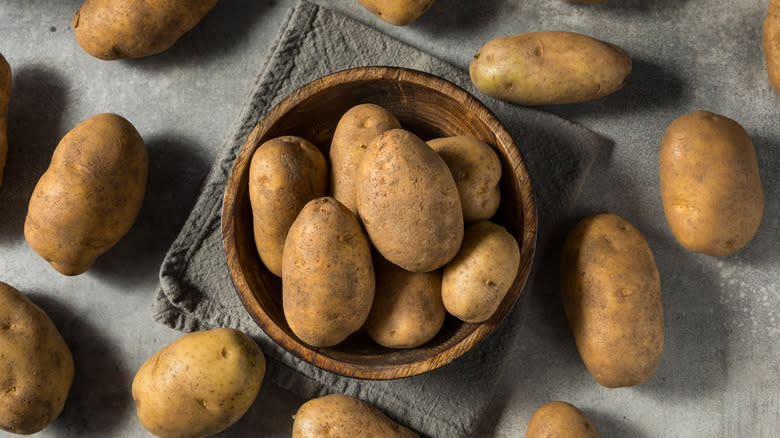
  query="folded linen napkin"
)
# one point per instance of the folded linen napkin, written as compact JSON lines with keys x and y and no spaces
{"x":196,"y":292}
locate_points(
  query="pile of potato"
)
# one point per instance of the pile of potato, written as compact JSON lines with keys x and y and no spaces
{"x":403,"y":237}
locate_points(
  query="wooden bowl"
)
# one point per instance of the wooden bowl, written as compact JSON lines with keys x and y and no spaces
{"x":426,"y":105}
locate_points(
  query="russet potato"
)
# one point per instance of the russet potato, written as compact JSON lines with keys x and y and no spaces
{"x":337,"y":415}
{"x":559,"y":419}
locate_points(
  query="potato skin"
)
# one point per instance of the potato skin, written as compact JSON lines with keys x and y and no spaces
{"x":199,"y":384}
{"x":327,"y":274}
{"x":477,"y":172}
{"x":36,"y":366}
{"x":559,"y":419}
{"x":356,"y":129}
{"x":342,"y":416}
{"x":119,"y":29}
{"x":397,"y":12}
{"x":409,"y":203}
{"x":549,"y":68}
{"x":5,"y":97}
{"x":611,"y":293}
{"x":90,"y":195}
{"x":407,"y":310}
{"x":771,"y":34}
{"x":285,"y":173}
{"x":710,"y":183}
{"x":476,"y":281}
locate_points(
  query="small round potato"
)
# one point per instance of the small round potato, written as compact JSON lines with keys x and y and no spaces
{"x":5,"y":97}
{"x":710,"y":185}
{"x":327,"y":274}
{"x":339,"y":416}
{"x":771,"y":35}
{"x":199,"y":384}
{"x":356,"y":129}
{"x":477,"y":171}
{"x":559,"y":420}
{"x":397,"y":12}
{"x":285,"y":173}
{"x":611,"y":294}
{"x":407,"y":310}
{"x":36,"y":366}
{"x":409,"y":203}
{"x":477,"y":279}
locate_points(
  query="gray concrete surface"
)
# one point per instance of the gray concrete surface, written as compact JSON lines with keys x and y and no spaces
{"x":719,"y":372}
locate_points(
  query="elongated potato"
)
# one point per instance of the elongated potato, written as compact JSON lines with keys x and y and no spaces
{"x":285,"y":173}
{"x":356,"y":129}
{"x":549,"y":68}
{"x":5,"y":97}
{"x":118,"y":29}
{"x":611,"y":293}
{"x":772,"y":44}
{"x":559,"y":420}
{"x":327,"y":274}
{"x":342,"y":416}
{"x":90,"y":195}
{"x":397,"y":12}
{"x":710,"y":184}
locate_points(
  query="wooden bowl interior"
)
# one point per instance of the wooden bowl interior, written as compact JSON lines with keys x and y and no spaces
{"x":429,"y":111}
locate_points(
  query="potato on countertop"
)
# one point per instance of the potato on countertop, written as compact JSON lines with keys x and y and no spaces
{"x":397,"y":12}
{"x":559,"y":420}
{"x":342,"y":416}
{"x":771,"y":37}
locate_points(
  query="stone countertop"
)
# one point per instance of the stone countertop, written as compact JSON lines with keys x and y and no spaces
{"x":720,"y":367}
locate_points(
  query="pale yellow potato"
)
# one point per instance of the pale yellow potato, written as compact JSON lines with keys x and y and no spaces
{"x":90,"y":195}
{"x":36,"y":366}
{"x":5,"y":97}
{"x":477,"y":172}
{"x":611,"y":293}
{"x":407,"y":310}
{"x":771,"y":37}
{"x":559,"y":419}
{"x":198,"y":385}
{"x":476,"y":281}
{"x":710,"y":183}
{"x":356,"y":129}
{"x":397,"y":12}
{"x":327,"y":274}
{"x":342,"y":416}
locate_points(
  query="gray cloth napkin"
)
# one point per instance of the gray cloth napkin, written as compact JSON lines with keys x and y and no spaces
{"x":196,"y":292}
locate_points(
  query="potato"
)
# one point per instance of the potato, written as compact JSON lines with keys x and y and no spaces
{"x":407,"y":310}
{"x":354,"y":132}
{"x":199,"y":384}
{"x":397,"y":12}
{"x":549,"y":68}
{"x":476,"y":281}
{"x":5,"y":96}
{"x":710,"y":185}
{"x":285,"y":173}
{"x":772,"y":44}
{"x":118,"y":29}
{"x":90,"y":195}
{"x":559,"y":420}
{"x":408,"y":202}
{"x":342,"y":416}
{"x":477,"y":171}
{"x":611,"y":294}
{"x":36,"y":366}
{"x":327,"y":274}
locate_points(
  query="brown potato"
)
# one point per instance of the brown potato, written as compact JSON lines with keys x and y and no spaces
{"x":772,"y":44}
{"x":342,"y":416}
{"x":409,"y":203}
{"x":199,"y":384}
{"x":5,"y":96}
{"x":476,"y":281}
{"x":397,"y":12}
{"x":356,"y":129}
{"x":90,"y":195}
{"x":327,"y":274}
{"x":549,"y":68}
{"x":710,"y":185}
{"x":285,"y":173}
{"x":611,"y":293}
{"x":477,"y":171}
{"x":36,"y":366}
{"x":407,"y":310}
{"x":559,"y":420}
{"x":118,"y":29}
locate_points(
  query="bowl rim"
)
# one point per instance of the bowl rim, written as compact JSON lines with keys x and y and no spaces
{"x":310,"y":354}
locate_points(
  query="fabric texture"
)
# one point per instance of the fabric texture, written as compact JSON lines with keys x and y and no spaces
{"x":196,"y":291}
